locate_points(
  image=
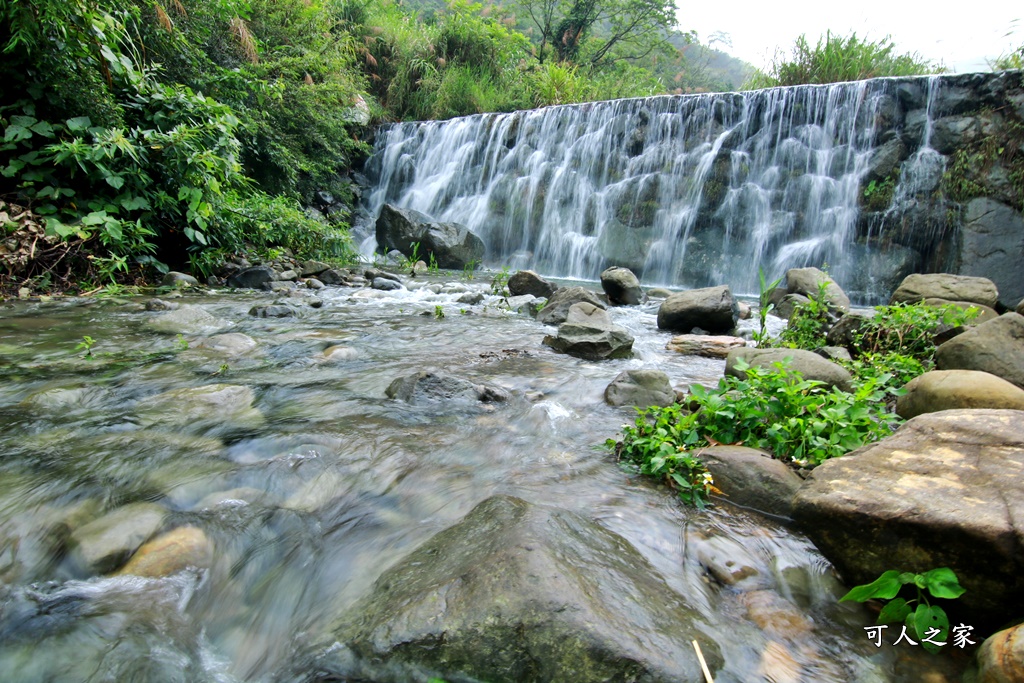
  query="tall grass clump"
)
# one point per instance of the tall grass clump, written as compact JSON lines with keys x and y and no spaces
{"x":835,"y":58}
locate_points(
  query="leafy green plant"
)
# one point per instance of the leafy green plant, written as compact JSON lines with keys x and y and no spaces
{"x":500,"y":281}
{"x":414,"y":258}
{"x":926,"y":621}
{"x":432,"y":266}
{"x":656,"y":445}
{"x":439,"y":312}
{"x":878,"y":195}
{"x":86,"y":345}
{"x":765,"y":306}
{"x":810,"y":321}
{"x":909,"y":329}
{"x":777,"y":410}
{"x":182,"y":343}
{"x":468,"y":269}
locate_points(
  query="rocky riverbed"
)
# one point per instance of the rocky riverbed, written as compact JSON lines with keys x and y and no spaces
{"x":376,"y":484}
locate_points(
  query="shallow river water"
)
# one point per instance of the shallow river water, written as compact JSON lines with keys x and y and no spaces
{"x":310,"y":499}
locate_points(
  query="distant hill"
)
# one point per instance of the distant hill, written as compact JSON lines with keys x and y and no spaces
{"x":698,"y":68}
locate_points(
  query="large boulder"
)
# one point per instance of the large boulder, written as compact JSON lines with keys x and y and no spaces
{"x":752,"y":478}
{"x":528,"y":282}
{"x":713,"y":309}
{"x":918,"y":287}
{"x":943,"y":491}
{"x":557,"y":308}
{"x":807,"y":363}
{"x":452,"y":245}
{"x":640,"y":388}
{"x":588,"y":333}
{"x":993,"y":246}
{"x":525,"y":593}
{"x":433,"y":387}
{"x":256,"y":277}
{"x":1001,"y":657}
{"x":621,"y":286}
{"x":950,"y":389}
{"x":996,"y":347}
{"x":807,"y":281}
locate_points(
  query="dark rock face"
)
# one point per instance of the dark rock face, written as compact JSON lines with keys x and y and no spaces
{"x":274,"y":311}
{"x":621,"y":286}
{"x":993,"y":247}
{"x":944,"y":490}
{"x":452,"y":245}
{"x":807,"y":363}
{"x":557,"y":308}
{"x":712,"y":309}
{"x":528,"y":282}
{"x":640,"y":388}
{"x":431,"y":387}
{"x":522,"y":593}
{"x":996,"y":347}
{"x":588,"y":333}
{"x":253,"y":278}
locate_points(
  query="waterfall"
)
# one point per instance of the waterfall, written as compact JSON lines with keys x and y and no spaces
{"x":687,"y":190}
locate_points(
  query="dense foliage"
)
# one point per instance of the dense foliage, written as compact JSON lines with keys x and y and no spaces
{"x":836,"y":58}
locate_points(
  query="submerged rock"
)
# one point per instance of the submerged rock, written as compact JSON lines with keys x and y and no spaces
{"x":426,"y":387}
{"x":104,"y":544}
{"x":524,"y":593}
{"x":640,"y":388}
{"x":230,"y":344}
{"x":588,"y":333}
{"x":187,"y":319}
{"x":170,"y":553}
{"x":224,"y":405}
{"x":944,"y":490}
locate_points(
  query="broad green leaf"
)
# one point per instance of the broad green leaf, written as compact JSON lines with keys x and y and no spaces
{"x":43,"y":128}
{"x":895,"y":612}
{"x":95,"y":218}
{"x":885,"y":586}
{"x":942,"y":583}
{"x":79,"y":123}
{"x":115,"y":181}
{"x":16,"y":133}
{"x":929,"y":617}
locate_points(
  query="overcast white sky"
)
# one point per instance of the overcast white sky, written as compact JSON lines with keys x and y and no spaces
{"x":961,"y":35}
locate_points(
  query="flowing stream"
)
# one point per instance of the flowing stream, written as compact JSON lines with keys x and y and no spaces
{"x":308,"y":505}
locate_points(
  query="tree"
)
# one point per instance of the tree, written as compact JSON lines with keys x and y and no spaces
{"x":599,"y":32}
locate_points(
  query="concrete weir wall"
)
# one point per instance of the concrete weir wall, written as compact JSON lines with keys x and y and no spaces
{"x":877,"y":178}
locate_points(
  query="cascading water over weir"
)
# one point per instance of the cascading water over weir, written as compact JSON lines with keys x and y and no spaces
{"x":693,"y":190}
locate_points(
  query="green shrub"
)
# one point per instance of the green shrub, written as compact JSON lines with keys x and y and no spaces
{"x":909,"y":329}
{"x":837,"y":58}
{"x":774,"y":409}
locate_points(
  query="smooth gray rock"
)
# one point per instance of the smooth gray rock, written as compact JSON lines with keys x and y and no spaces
{"x":942,"y":491}
{"x":996,"y":347}
{"x":955,"y":389}
{"x":789,"y":304}
{"x":386,"y":284}
{"x":313,"y":268}
{"x":426,"y":387}
{"x":334,"y":276}
{"x":187,"y":319}
{"x":918,"y":287}
{"x":589,"y":333}
{"x":993,"y":247}
{"x":525,"y":593}
{"x":640,"y":388}
{"x":621,"y":286}
{"x":273,"y":311}
{"x":255,"y":277}
{"x":557,"y":308}
{"x":176,"y":279}
{"x":752,"y":478}
{"x":712,"y":309}
{"x":230,"y":344}
{"x":807,"y":363}
{"x":528,"y":282}
{"x":105,"y":544}
{"x":806,"y":281}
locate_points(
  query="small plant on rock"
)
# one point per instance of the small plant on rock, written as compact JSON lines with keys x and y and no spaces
{"x":925,"y":621}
